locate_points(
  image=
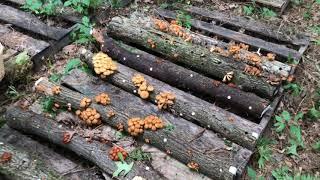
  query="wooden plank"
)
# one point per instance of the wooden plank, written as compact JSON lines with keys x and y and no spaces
{"x":20,"y":42}
{"x":280,"y":50}
{"x":137,"y":30}
{"x":275,"y":3}
{"x":29,"y":22}
{"x":65,"y":167}
{"x":248,"y":24}
{"x":204,"y":147}
{"x":96,"y":152}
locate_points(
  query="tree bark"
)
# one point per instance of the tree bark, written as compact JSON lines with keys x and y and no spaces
{"x":24,"y":165}
{"x":187,"y":142}
{"x":248,"y":104}
{"x":65,"y":167}
{"x":30,"y":22}
{"x":35,"y":124}
{"x":194,"y":56}
{"x":186,"y":105}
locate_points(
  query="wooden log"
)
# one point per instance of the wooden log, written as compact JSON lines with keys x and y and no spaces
{"x":64,"y":12}
{"x":20,"y":42}
{"x":30,"y":22}
{"x":187,"y":142}
{"x":248,"y":24}
{"x":66,"y":167}
{"x":24,"y":165}
{"x":238,"y":130}
{"x":280,"y":50}
{"x":194,"y":56}
{"x":247,"y":103}
{"x":274,"y":67}
{"x":31,"y":123}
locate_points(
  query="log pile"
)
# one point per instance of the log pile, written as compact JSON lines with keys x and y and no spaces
{"x":186,"y":143}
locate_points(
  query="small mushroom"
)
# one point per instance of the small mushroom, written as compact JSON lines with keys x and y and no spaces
{"x":115,"y":150}
{"x":103,"y":99}
{"x":56,"y":90}
{"x":135,"y":126}
{"x":103,"y":65}
{"x":153,"y":123}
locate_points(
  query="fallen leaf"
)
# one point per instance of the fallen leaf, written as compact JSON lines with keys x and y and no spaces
{"x":5,"y":157}
{"x":67,"y":136}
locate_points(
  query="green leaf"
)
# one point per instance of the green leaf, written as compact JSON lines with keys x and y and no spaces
{"x":280,"y":124}
{"x":314,"y":113}
{"x":72,"y":64}
{"x":286,"y":115}
{"x":295,"y":132}
{"x":251,"y":173}
{"x":298,"y":116}
{"x":67,"y":3}
{"x":281,"y":173}
{"x":265,"y":155}
{"x":139,"y":155}
{"x":122,"y":166}
{"x":292,"y":150}
{"x":22,"y":58}
{"x":55,"y":78}
{"x":248,"y":10}
{"x":316,"y":146}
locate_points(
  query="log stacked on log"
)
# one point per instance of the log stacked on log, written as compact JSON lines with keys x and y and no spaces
{"x":186,"y":105}
{"x":187,"y":142}
{"x":139,"y":31}
{"x":222,"y":94}
{"x":65,"y":168}
{"x":35,"y":124}
{"x":19,"y":164}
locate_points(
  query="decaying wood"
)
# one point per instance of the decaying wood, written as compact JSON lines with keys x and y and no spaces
{"x":204,"y":147}
{"x":2,"y":71}
{"x":186,"y":105}
{"x":65,"y":167}
{"x":273,"y":67}
{"x":196,"y":57}
{"x":65,"y":13}
{"x":20,"y":42}
{"x":35,"y":124}
{"x":20,"y":164}
{"x":30,"y":22}
{"x":186,"y":79}
{"x":248,"y":24}
{"x":280,"y":50}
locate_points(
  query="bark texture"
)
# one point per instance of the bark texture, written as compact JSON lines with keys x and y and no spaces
{"x":186,"y":105}
{"x":195,"y":57}
{"x":35,"y":124}
{"x":187,"y":142}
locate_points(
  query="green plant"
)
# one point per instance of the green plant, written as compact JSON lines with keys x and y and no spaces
{"x":314,"y":113}
{"x":282,"y":120}
{"x":316,"y":145}
{"x":316,"y":29}
{"x":248,"y":10}
{"x":122,"y":166}
{"x":169,"y":127}
{"x":82,"y":33}
{"x":267,"y":13}
{"x":264,"y":155}
{"x":13,"y":94}
{"x":295,"y":89}
{"x":253,"y":175}
{"x":47,"y":104}
{"x":184,"y":19}
{"x":39,"y":7}
{"x":281,"y":173}
{"x":138,"y":155}
{"x":119,"y":135}
{"x":75,"y":63}
{"x":295,"y":139}
{"x":22,"y":58}
{"x":82,"y":6}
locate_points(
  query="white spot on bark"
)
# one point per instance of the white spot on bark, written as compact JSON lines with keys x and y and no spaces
{"x":124,"y":58}
{"x":147,"y":168}
{"x":191,"y":75}
{"x":134,"y":91}
{"x":255,"y":135}
{"x":233,"y":170}
{"x":193,"y":113}
{"x":138,"y":56}
{"x":250,"y":107}
{"x":123,"y":81}
{"x":151,"y":69}
{"x":229,"y":97}
{"x":165,"y":140}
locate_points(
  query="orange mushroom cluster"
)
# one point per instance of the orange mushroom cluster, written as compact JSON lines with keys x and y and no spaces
{"x":103,"y":99}
{"x":56,"y":90}
{"x":103,"y":65}
{"x":144,"y":88}
{"x":165,"y":100}
{"x":172,"y":28}
{"x":90,"y":116}
{"x":193,"y":165}
{"x":252,"y":70}
{"x":135,"y":126}
{"x":153,"y":123}
{"x":85,"y":102}
{"x":115,"y":150}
